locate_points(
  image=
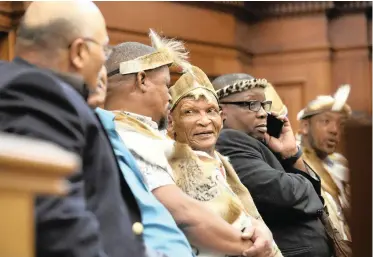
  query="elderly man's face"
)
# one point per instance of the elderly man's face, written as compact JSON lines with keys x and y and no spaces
{"x":239,"y":117}
{"x":323,"y":131}
{"x":88,"y":54}
{"x":197,"y":123}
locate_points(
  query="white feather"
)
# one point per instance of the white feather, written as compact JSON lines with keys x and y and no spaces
{"x":174,"y":48}
{"x":155,"y":39}
{"x":300,"y":114}
{"x":340,"y":97}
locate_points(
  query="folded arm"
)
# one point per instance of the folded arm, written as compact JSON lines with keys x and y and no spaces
{"x":202,"y":227}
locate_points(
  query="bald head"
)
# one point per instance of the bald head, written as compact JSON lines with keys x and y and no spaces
{"x":51,"y":25}
{"x":125,"y":52}
{"x":228,"y":79}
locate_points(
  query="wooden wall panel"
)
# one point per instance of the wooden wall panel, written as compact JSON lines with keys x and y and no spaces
{"x":352,"y":67}
{"x":174,"y":19}
{"x":211,"y":42}
{"x":279,"y":35}
{"x":350,"y":63}
{"x":292,"y":94}
{"x":7,"y":40}
{"x":311,"y":49}
{"x":359,"y":136}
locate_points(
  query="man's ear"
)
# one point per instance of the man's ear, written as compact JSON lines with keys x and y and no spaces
{"x":223,"y":113}
{"x":140,"y":81}
{"x":170,"y":126}
{"x":77,"y":53}
{"x":304,"y":127}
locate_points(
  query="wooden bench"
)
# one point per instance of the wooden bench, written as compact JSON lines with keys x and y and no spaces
{"x":28,"y":167}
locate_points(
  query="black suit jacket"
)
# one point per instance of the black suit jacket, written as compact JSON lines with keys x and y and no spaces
{"x":288,"y":200}
{"x":96,"y":217}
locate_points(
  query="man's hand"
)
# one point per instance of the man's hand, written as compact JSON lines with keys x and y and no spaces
{"x":285,"y":144}
{"x":262,"y":239}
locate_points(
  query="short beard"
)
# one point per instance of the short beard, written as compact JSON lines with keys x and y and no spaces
{"x":320,"y":153}
{"x":163,"y":123}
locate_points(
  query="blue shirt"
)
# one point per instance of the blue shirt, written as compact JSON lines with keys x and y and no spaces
{"x":160,"y":230}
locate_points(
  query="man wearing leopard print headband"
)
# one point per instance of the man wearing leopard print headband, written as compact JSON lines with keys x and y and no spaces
{"x":285,"y":191}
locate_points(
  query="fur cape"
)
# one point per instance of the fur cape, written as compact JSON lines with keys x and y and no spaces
{"x":196,"y":176}
{"x":329,"y":187}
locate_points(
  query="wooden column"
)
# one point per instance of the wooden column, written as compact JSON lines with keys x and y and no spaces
{"x":359,"y":155}
{"x":351,"y":59}
{"x":10,"y":14}
{"x":27,"y":168}
{"x":7,"y":41}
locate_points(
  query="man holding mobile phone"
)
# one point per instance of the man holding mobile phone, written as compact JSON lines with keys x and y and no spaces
{"x":285,"y":191}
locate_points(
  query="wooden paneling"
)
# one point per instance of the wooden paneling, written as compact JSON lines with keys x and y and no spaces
{"x":321,"y":52}
{"x":292,"y":94}
{"x":10,"y":13}
{"x":350,"y":62}
{"x":5,"y":15}
{"x":174,"y":19}
{"x":280,"y":35}
{"x":352,"y":67}
{"x":7,"y":40}
{"x":359,"y":155}
{"x":211,"y":43}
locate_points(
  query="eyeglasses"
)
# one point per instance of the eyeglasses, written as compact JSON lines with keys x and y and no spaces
{"x":107,"y":49}
{"x":253,"y":105}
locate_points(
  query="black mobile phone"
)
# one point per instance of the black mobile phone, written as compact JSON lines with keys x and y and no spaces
{"x":274,"y":126}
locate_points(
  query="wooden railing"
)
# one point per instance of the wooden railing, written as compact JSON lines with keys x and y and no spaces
{"x":28,"y":168}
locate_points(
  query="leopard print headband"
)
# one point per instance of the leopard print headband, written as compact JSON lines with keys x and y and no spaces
{"x":240,"y":86}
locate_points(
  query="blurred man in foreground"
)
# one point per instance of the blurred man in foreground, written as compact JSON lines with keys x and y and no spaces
{"x":60,"y":51}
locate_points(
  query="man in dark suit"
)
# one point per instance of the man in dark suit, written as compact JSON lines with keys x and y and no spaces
{"x":285,"y":191}
{"x":40,"y":98}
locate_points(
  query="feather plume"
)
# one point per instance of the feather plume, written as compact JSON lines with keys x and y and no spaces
{"x":300,"y":114}
{"x":340,"y":97}
{"x":172,"y":47}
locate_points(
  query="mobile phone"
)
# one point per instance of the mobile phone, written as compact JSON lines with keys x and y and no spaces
{"x":274,"y":126}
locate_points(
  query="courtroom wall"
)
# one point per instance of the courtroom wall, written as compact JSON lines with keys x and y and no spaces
{"x":303,"y":55}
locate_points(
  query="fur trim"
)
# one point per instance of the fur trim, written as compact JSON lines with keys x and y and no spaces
{"x":169,"y":51}
{"x":173,"y":48}
{"x":340,"y":97}
{"x":323,"y":103}
{"x":241,"y":86}
{"x":198,"y":180}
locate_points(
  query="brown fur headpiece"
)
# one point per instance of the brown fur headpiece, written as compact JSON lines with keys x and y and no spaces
{"x":240,"y":86}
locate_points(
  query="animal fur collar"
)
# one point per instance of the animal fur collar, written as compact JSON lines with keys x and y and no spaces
{"x":197,"y":177}
{"x":316,"y":164}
